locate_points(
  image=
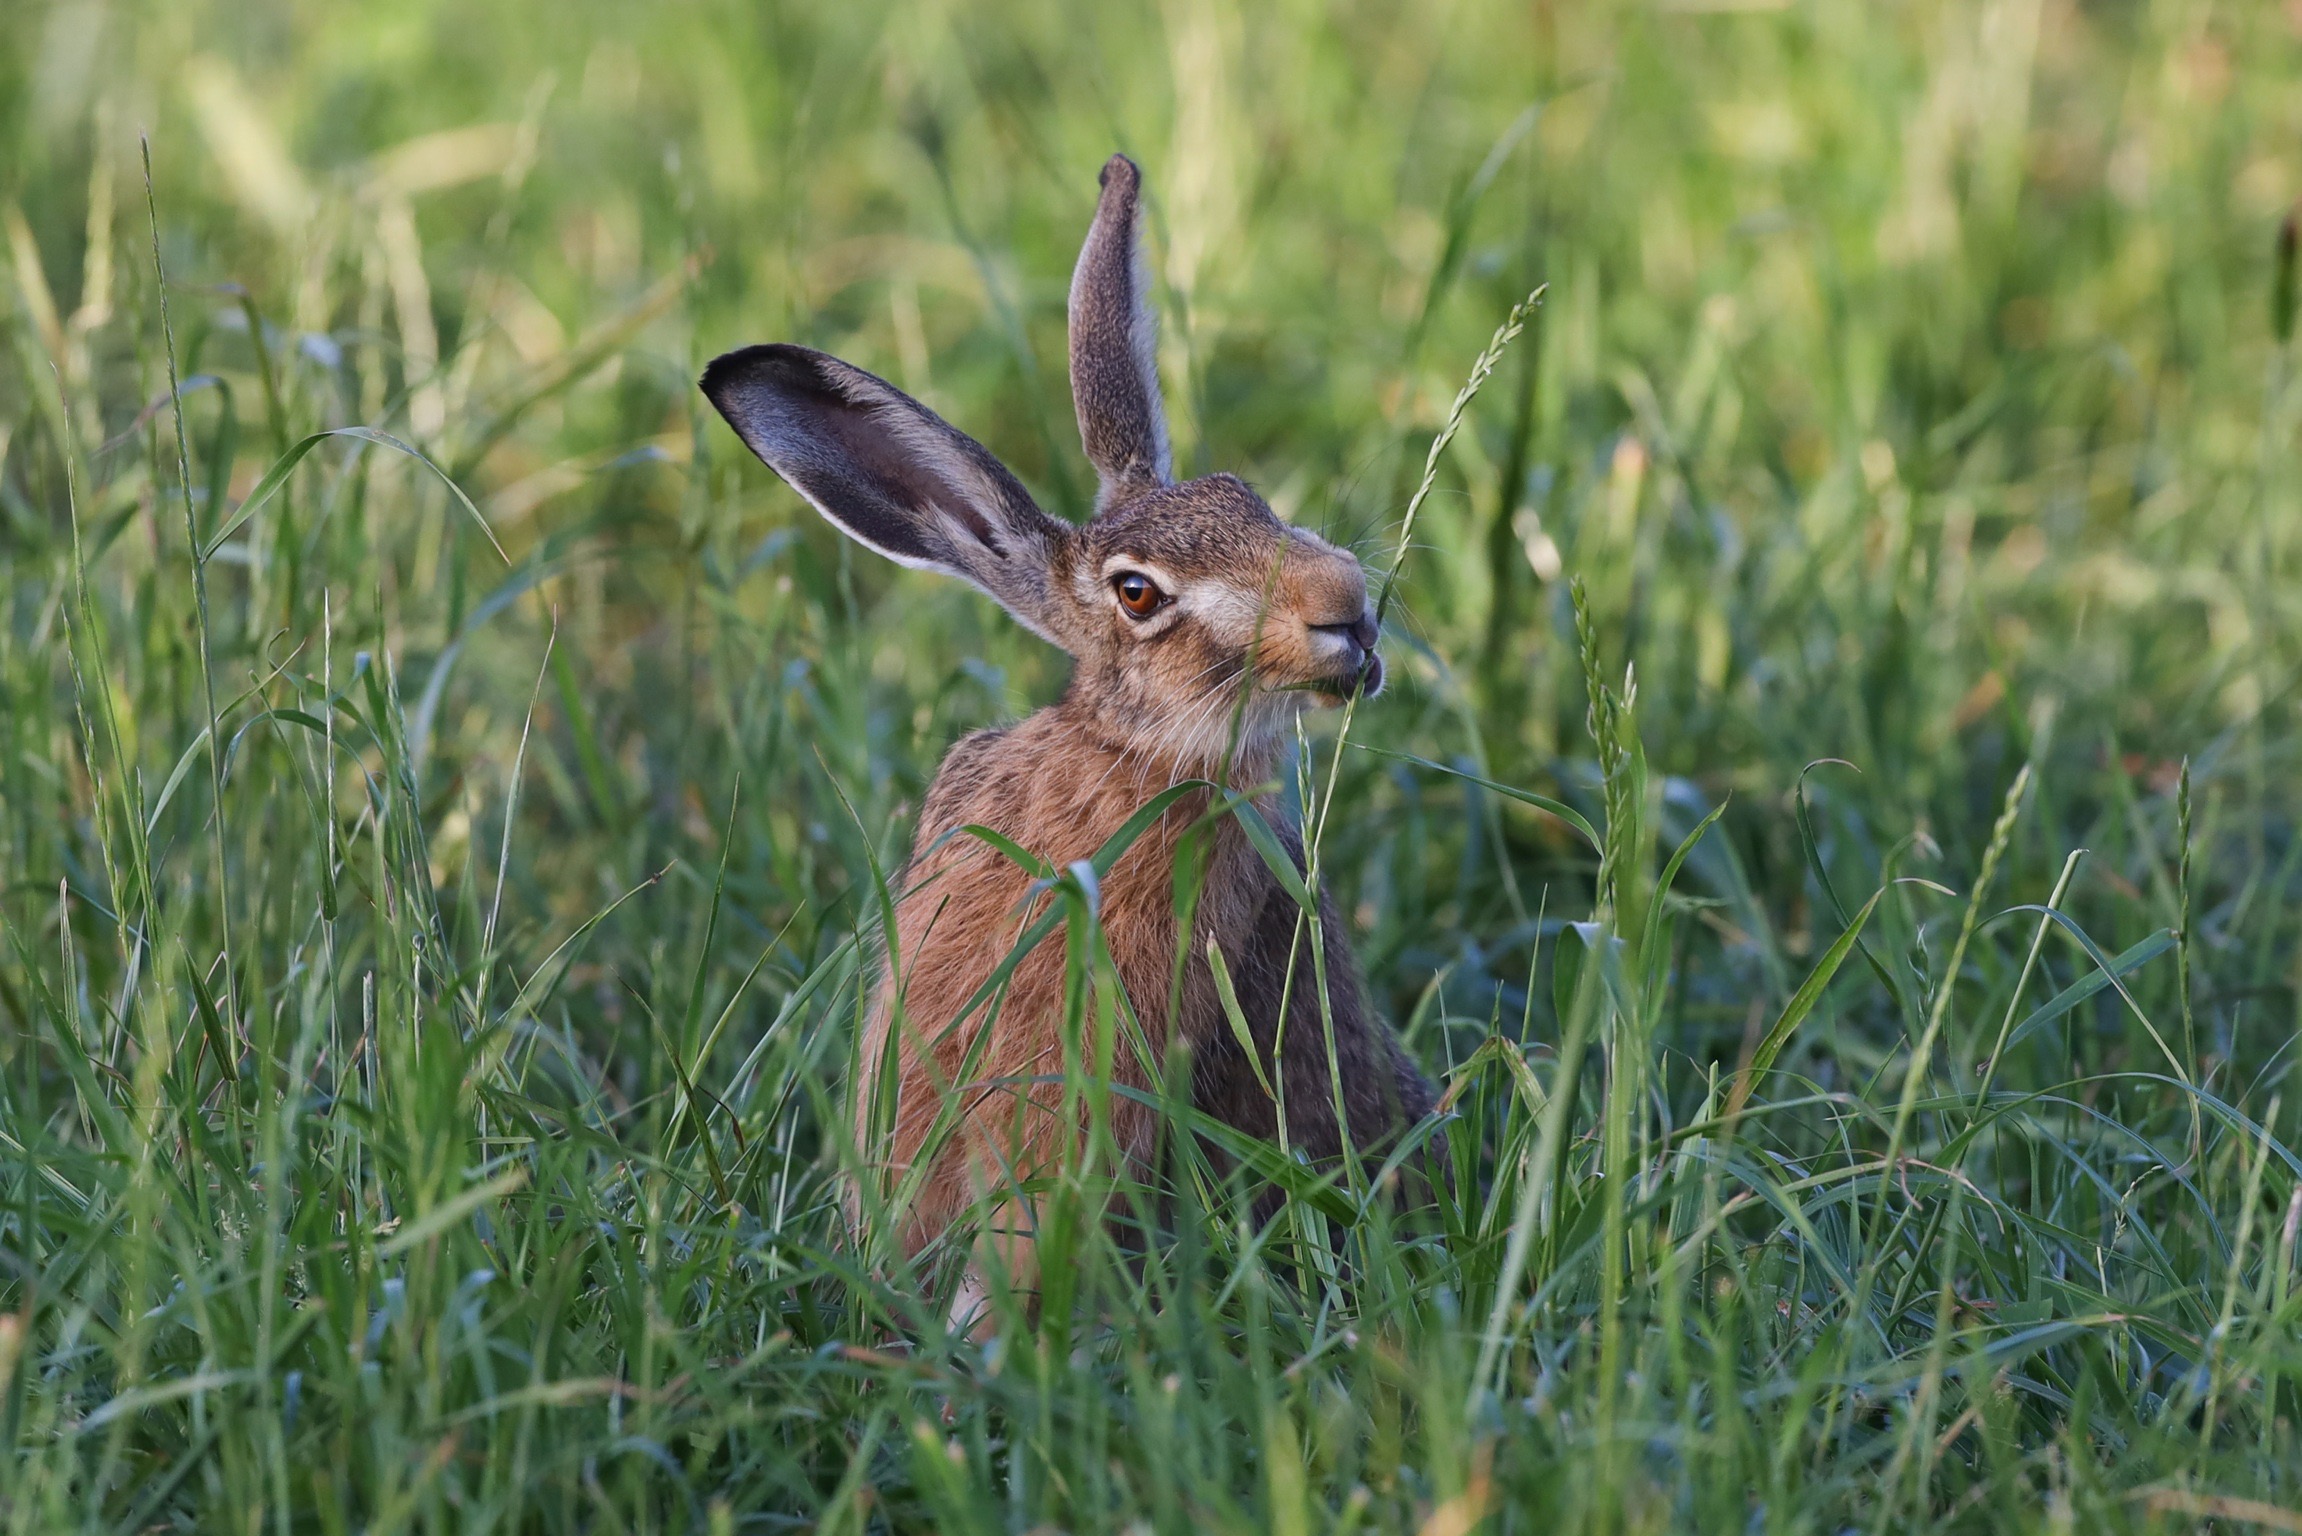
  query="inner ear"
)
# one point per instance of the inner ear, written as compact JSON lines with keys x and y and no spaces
{"x":977,"y":525}
{"x":922,"y":469}
{"x":892,"y":474}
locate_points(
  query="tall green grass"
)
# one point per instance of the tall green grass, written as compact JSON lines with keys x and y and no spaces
{"x":1833,"y":830}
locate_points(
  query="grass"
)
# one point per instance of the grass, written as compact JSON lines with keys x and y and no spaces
{"x":435,"y":858}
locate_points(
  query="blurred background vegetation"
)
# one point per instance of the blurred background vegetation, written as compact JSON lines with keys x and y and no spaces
{"x":1911,"y":388}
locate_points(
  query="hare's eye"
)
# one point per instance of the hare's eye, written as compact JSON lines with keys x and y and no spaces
{"x":1138,"y":594}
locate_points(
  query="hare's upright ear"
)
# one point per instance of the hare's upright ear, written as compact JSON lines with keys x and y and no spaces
{"x":1115,"y":342}
{"x":893,"y":475}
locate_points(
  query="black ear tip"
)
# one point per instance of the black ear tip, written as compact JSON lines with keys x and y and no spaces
{"x":775,"y":365}
{"x":725,"y":372}
{"x":1128,"y":174}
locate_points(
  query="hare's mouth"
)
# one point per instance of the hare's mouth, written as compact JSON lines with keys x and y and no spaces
{"x":1364,"y":680}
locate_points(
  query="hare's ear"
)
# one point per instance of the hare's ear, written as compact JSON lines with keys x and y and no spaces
{"x":892,"y":474}
{"x":1115,"y":342}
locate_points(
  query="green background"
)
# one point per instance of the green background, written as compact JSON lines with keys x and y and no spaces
{"x":426,"y":972}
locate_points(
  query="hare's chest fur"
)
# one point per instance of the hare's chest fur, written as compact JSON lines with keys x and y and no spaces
{"x":1063,"y":796}
{"x":1048,"y":785}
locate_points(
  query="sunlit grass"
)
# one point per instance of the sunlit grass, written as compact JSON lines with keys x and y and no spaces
{"x":440,"y":860}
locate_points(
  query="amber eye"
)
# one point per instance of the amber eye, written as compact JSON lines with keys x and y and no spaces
{"x":1138,"y":594}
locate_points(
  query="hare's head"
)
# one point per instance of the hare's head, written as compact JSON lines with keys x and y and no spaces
{"x":1175,"y":600}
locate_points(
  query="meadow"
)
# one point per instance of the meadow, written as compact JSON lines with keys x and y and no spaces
{"x":1832,"y":827}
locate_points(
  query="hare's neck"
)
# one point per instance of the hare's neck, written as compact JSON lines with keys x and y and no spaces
{"x":1221,"y":747}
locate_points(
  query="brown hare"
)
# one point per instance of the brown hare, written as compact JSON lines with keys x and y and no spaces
{"x":1200,"y":625}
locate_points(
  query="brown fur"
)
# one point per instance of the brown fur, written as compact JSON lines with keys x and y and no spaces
{"x":1262,"y":621}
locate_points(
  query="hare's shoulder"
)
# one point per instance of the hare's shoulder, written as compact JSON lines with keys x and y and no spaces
{"x":968,"y":770}
{"x":986,"y":777}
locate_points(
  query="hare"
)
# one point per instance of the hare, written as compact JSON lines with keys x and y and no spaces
{"x":1200,"y":626}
